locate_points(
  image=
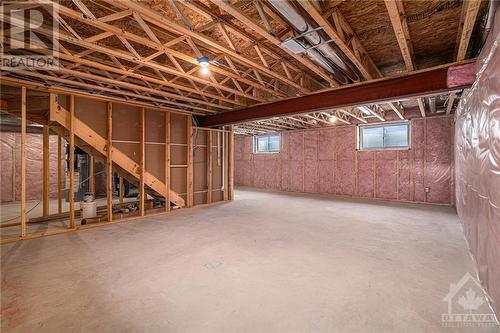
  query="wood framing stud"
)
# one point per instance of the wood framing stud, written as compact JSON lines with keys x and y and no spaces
{"x":142,"y":162}
{"x":190,"y":184}
{"x":109,"y":161}
{"x":71,"y":162}
{"x":23,"y":162}
{"x":46,"y":171}
{"x":167,"y":161}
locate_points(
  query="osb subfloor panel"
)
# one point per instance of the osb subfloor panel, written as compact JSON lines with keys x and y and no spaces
{"x":266,"y":262}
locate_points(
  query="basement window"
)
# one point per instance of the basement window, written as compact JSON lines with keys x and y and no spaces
{"x":267,"y":143}
{"x":386,"y":136}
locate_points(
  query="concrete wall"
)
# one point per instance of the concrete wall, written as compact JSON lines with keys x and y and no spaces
{"x":10,"y":174}
{"x":326,"y":161}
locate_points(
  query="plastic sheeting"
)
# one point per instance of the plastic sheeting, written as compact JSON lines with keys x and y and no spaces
{"x":477,"y":159}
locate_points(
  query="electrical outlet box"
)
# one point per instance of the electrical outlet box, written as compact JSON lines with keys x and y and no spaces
{"x":427,"y":189}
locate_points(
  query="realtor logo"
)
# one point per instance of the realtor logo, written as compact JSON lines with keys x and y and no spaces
{"x":29,"y":30}
{"x":467,"y":305}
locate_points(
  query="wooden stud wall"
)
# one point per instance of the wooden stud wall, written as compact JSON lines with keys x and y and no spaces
{"x":189,"y":160}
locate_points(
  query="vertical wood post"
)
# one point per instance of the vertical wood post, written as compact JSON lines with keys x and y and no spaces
{"x":190,"y":188}
{"x":121,"y":190}
{"x":45,"y":170}
{"x":59,"y":174}
{"x":142,"y":161}
{"x":209,"y":167}
{"x":167,"y":161}
{"x":23,"y":162}
{"x":225,"y":196}
{"x":230,"y":163}
{"x":109,"y":162}
{"x":92,"y":175}
{"x":72,"y":162}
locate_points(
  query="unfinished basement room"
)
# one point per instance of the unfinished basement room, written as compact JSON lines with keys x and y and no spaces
{"x":250,"y":166}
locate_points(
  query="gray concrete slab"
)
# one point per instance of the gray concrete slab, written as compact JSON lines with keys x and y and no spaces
{"x":267,"y":262}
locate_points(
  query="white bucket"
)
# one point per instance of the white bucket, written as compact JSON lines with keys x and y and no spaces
{"x":89,"y":209}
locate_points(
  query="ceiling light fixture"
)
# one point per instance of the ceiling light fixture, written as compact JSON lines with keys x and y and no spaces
{"x":204,"y":63}
{"x":365,"y":110}
{"x":332,"y":119}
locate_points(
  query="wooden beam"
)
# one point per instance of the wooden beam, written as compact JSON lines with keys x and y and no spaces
{"x":470,"y":8}
{"x":167,"y":161}
{"x":424,"y":82}
{"x":421,"y":106}
{"x":451,"y":100}
{"x":94,"y":139}
{"x":337,"y":39}
{"x":23,"y":162}
{"x":142,"y":163}
{"x":209,"y":167}
{"x":92,"y":174}
{"x":190,"y":184}
{"x":109,"y":161}
{"x":121,"y":190}
{"x":71,"y":161}
{"x":400,"y":26}
{"x":397,"y":109}
{"x":60,"y":183}
{"x":247,"y":21}
{"x":45,"y":171}
{"x":230,"y":164}
{"x":225,"y":159}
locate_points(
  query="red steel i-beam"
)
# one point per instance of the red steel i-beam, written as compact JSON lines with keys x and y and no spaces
{"x":420,"y":83}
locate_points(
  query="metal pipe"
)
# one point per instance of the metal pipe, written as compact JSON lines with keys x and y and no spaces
{"x":323,"y":53}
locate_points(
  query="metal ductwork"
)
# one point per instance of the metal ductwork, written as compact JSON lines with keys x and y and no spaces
{"x":311,"y":42}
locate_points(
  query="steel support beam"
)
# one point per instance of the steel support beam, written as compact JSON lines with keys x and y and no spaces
{"x":419,"y":83}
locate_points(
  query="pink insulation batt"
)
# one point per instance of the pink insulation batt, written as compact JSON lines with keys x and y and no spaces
{"x":326,"y":161}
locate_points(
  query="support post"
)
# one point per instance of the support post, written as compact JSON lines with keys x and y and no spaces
{"x":92,"y":175}
{"x":167,"y":161}
{"x":121,"y":189}
{"x":109,"y":162}
{"x":59,"y":174}
{"x":142,"y":161}
{"x":226,"y":165}
{"x":209,"y":167}
{"x":190,"y":188}
{"x":72,"y":162}
{"x":230,"y":164}
{"x":45,"y":171}
{"x":23,"y":162}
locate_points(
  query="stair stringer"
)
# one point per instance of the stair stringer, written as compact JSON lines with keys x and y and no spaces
{"x":61,"y":116}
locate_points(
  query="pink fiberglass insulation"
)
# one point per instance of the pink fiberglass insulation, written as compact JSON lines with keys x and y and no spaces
{"x":345,"y":141}
{"x":386,"y":174}
{"x":418,"y":156}
{"x":477,"y":160}
{"x":311,"y":161}
{"x":438,"y":160}
{"x":326,"y":161}
{"x":11,"y":169}
{"x":404,"y":175}
{"x":366,"y":179}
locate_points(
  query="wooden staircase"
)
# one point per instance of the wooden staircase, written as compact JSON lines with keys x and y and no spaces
{"x":83,"y":132}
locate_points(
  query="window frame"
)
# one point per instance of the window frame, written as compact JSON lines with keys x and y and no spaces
{"x":256,"y":146}
{"x":359,"y":135}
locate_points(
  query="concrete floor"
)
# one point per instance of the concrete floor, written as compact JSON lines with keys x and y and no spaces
{"x":268,"y":262}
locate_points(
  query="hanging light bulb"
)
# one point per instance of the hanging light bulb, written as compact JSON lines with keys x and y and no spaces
{"x":332,"y":119}
{"x":204,"y":63}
